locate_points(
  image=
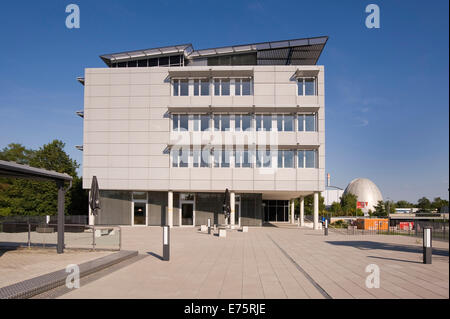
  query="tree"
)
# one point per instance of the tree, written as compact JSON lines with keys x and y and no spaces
{"x":404,"y":204}
{"x":438,"y":203}
{"x":309,"y":204}
{"x":30,"y":197}
{"x":348,"y":204}
{"x":424,"y":203}
{"x":380,"y":209}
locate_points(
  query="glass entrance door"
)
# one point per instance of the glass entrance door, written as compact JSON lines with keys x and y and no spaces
{"x":187,"y":214}
{"x":139,"y":213}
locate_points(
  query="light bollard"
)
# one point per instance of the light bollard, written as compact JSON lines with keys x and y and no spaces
{"x":166,"y":243}
{"x":326,"y":227}
{"x":427,"y":245}
{"x":209,"y":226}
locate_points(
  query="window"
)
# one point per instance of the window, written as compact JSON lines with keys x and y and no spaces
{"x":221,"y":157}
{"x":242,"y":87}
{"x":206,"y":157}
{"x":263,"y":158}
{"x":196,"y":153}
{"x":263,"y":122}
{"x":180,"y":157}
{"x":180,"y":122}
{"x":285,"y":123}
{"x":307,"y":159}
{"x":242,"y":123}
{"x":286,"y":159}
{"x":306,"y":86}
{"x":196,"y":122}
{"x":201,"y":87}
{"x":180,"y":87}
{"x":221,"y":122}
{"x":307,"y":122}
{"x":204,"y":120}
{"x":142,"y":63}
{"x":221,"y":87}
{"x":242,"y":158}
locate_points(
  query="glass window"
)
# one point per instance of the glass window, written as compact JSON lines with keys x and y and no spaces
{"x":184,"y":122}
{"x":300,"y":87}
{"x":184,"y":87}
{"x":196,"y":87}
{"x":217,"y":87}
{"x":310,"y":122}
{"x":237,"y":87}
{"x":204,"y":122}
{"x":225,"y":122}
{"x":153,"y":62}
{"x":310,"y":88}
{"x":205,"y":87}
{"x":139,"y":196}
{"x":288,"y":159}
{"x":280,"y":159}
{"x":237,"y":158}
{"x":310,"y":159}
{"x":301,"y":159}
{"x":175,"y":122}
{"x":132,"y":64}
{"x":184,"y":157}
{"x":301,"y":119}
{"x":216,"y":122}
{"x":176,"y":84}
{"x":205,"y":160}
{"x":175,"y":153}
{"x":225,"y":87}
{"x":196,"y":157}
{"x":246,"y":87}
{"x":196,"y":120}
{"x":246,"y":122}
{"x":175,"y":60}
{"x":164,"y":61}
{"x":288,"y":123}
{"x":237,"y":123}
{"x":263,"y":158}
{"x":225,"y":158}
{"x":280,"y":123}
{"x":217,"y":157}
{"x":246,"y":158}
{"x":142,"y":63}
{"x":263,"y":122}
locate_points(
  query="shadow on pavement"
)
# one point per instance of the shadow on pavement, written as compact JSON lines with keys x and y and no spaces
{"x":365,"y":245}
{"x":155,"y":255}
{"x":395,"y":259}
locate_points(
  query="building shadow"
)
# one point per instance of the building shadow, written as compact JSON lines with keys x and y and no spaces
{"x":372,"y":245}
{"x":395,"y":259}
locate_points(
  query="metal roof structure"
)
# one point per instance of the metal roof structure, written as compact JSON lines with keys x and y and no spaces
{"x":304,"y":51}
{"x":12,"y":169}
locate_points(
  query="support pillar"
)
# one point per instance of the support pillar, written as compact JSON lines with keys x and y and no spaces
{"x":292,"y":211}
{"x":302,"y":211}
{"x":316,"y":210}
{"x":60,"y":227}
{"x":232,"y":209}
{"x":170,"y":209}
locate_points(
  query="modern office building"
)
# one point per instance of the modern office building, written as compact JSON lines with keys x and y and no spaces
{"x":168,"y":130}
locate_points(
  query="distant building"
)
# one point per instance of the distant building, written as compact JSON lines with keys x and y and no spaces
{"x":367,"y":194}
{"x":332,"y":194}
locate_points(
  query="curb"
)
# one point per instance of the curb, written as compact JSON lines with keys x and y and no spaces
{"x":35,"y":286}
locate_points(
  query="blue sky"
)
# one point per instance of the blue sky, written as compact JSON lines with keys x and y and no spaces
{"x":387,"y":99}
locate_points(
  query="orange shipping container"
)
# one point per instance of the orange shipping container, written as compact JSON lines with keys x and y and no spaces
{"x":372,"y":223}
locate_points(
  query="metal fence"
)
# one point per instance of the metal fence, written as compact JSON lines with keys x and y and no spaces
{"x":41,"y":231}
{"x":440,"y":229}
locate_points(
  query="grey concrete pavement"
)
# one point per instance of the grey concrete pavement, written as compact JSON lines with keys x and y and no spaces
{"x":251,"y":265}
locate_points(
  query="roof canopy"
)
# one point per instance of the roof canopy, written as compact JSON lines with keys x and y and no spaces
{"x":305,"y":51}
{"x":12,"y":169}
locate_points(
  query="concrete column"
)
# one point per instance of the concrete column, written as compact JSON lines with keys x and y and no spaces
{"x":232,"y":209}
{"x":316,"y":210}
{"x":292,"y":211}
{"x":302,"y":211}
{"x":170,"y":209}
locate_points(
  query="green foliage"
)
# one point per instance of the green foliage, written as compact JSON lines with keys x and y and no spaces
{"x":380,"y":209}
{"x":30,"y":197}
{"x":339,"y":224}
{"x":404,"y":204}
{"x":438,"y":203}
{"x":424,"y":203}
{"x":309,"y":204}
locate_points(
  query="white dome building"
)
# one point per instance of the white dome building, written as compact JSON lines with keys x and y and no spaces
{"x":367,"y":193}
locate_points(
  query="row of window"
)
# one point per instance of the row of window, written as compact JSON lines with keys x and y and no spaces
{"x":231,"y":86}
{"x":245,"y":122}
{"x":175,"y":60}
{"x":211,"y":157}
{"x":220,"y":86}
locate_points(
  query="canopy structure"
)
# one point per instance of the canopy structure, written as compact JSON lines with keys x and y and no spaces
{"x":14,"y":170}
{"x":303,"y":51}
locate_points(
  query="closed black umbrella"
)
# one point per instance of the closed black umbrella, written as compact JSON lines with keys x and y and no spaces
{"x":226,"y":204}
{"x":94,"y":196}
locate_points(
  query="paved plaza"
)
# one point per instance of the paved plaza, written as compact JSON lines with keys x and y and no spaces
{"x":272,"y":262}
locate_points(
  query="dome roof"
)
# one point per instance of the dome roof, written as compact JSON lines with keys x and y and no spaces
{"x":366,"y":191}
